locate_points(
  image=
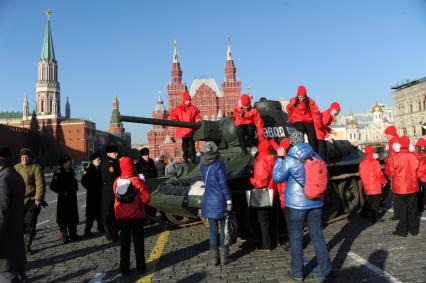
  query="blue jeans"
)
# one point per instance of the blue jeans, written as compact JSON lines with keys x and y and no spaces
{"x":213,"y":229}
{"x":295,"y":224}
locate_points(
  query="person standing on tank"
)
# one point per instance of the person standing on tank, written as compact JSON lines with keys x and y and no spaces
{"x":65,"y":185}
{"x":248,"y":121}
{"x":324,"y":131}
{"x":186,"y":112}
{"x":217,"y":198}
{"x":110,"y":170}
{"x":304,"y":114}
{"x":35,"y":189}
{"x":91,"y":179}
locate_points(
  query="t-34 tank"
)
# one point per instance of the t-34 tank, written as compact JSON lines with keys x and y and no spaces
{"x":179,"y":198}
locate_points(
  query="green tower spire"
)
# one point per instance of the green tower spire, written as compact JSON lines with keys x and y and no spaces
{"x":48,"y":52}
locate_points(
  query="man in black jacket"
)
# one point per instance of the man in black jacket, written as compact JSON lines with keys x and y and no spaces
{"x":146,"y":165}
{"x":12,"y":249}
{"x":110,"y":169}
{"x":91,"y":179}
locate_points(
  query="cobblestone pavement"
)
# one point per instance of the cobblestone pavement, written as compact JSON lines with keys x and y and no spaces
{"x":360,"y":252}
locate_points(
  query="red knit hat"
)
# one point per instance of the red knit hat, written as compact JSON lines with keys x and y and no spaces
{"x":186,"y":96}
{"x":391,"y":130}
{"x":264,"y":147}
{"x":301,"y":91}
{"x":369,"y":150}
{"x":285,"y":143}
{"x":404,"y":141}
{"x":335,"y":106}
{"x":127,"y":166}
{"x":245,"y":100}
{"x":421,"y":142}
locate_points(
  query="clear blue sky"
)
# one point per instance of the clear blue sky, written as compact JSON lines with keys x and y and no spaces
{"x":349,"y":51}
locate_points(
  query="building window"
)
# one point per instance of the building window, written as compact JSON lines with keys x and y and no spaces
{"x":411,"y":107}
{"x":414,"y":130}
{"x":420,"y":106}
{"x":404,"y":131}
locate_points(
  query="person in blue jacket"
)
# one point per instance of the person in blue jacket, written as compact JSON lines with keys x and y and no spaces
{"x":299,"y":208}
{"x":217,"y":198}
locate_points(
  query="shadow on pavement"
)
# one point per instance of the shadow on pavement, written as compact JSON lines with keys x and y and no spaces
{"x":346,"y":237}
{"x":361,"y":273}
{"x":65,"y":278}
{"x":196,"y":277}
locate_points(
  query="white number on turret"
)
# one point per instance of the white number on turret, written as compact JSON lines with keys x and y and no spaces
{"x":274,"y":132}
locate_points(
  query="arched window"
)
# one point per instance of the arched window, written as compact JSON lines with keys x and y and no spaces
{"x":42,"y":105}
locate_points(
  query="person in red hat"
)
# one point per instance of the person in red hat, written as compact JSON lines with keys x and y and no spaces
{"x":421,"y":151}
{"x":304,"y":114}
{"x":324,"y":131}
{"x":373,"y":180}
{"x":281,"y":150}
{"x":262,"y":179}
{"x":404,"y":173}
{"x":248,"y":121}
{"x":131,"y":196}
{"x":186,"y":112}
{"x":392,"y":136}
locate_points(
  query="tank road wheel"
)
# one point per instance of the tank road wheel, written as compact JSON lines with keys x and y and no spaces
{"x":177,"y":219}
{"x":349,"y":193}
{"x":333,"y":204}
{"x":361,"y":194}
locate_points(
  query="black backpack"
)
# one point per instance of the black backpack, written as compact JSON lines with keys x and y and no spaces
{"x":125,"y":192}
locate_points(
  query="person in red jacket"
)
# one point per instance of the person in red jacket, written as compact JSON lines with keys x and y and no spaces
{"x":403,"y":168}
{"x":323,"y":133}
{"x":281,"y":150}
{"x":248,"y":121}
{"x":392,"y":136}
{"x":304,"y":114}
{"x":186,"y":112}
{"x":262,"y":178}
{"x":130,"y":214}
{"x":373,"y":180}
{"x":421,"y":151}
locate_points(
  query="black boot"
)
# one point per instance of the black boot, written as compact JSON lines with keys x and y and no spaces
{"x":214,"y":257}
{"x":28,"y":241}
{"x":224,"y":252}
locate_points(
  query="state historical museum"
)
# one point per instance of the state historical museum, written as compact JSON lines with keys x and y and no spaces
{"x":214,"y":103}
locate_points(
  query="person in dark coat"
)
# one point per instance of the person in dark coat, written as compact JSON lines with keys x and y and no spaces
{"x":161,"y":166}
{"x":110,"y":170}
{"x":92,"y":181}
{"x":65,"y":185}
{"x":146,"y":165}
{"x":12,"y":248}
{"x":217,"y":198}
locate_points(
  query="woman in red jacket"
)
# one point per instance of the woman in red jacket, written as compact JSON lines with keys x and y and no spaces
{"x":373,"y":180}
{"x":392,"y":136}
{"x":262,"y":178}
{"x":130,"y":212}
{"x":304,"y":114}
{"x":421,"y":150}
{"x":248,"y":121}
{"x":186,"y":112}
{"x":323,"y":133}
{"x":403,"y":168}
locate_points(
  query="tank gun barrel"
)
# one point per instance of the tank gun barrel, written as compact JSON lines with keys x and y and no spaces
{"x":161,"y":122}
